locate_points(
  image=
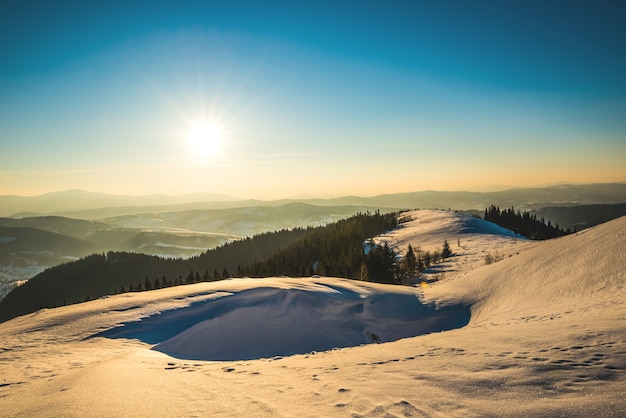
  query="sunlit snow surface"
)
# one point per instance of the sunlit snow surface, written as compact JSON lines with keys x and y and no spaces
{"x":546,"y":337}
{"x":266,"y":321}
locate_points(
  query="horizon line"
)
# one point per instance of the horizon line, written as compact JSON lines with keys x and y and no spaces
{"x":307,"y":196}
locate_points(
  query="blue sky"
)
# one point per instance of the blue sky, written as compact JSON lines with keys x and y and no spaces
{"x":322,"y":99}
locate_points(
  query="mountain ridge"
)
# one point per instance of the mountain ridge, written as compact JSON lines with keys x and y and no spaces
{"x":89,"y":205}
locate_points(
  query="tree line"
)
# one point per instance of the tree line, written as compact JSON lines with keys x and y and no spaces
{"x":334,"y":249}
{"x":341,"y":249}
{"x":525,"y":224}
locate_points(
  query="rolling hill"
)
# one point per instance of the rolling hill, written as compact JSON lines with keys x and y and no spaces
{"x":545,"y":337}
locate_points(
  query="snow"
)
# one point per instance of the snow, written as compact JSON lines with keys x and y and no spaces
{"x":470,"y":240}
{"x":546,"y":337}
{"x":267,"y":320}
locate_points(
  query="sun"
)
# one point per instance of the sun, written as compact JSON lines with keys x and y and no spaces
{"x":204,"y":139}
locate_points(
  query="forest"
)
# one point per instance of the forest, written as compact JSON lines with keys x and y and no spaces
{"x":525,"y":224}
{"x":333,"y":249}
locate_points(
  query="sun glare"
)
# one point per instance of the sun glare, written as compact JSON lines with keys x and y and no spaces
{"x":204,"y":139}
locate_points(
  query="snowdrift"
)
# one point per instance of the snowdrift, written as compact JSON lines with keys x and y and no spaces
{"x":267,"y":319}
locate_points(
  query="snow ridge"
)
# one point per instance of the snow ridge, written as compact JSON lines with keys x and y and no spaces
{"x":266,"y":321}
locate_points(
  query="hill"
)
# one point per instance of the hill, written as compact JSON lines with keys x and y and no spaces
{"x":106,"y":274}
{"x":181,"y":234}
{"x":584,"y":216}
{"x":76,"y":228}
{"x":16,"y":239}
{"x":545,"y":338}
{"x":28,"y":246}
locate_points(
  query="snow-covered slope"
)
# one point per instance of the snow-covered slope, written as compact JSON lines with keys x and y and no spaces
{"x":584,"y":269}
{"x":271,"y":317}
{"x":470,"y":239}
{"x":547,"y":337}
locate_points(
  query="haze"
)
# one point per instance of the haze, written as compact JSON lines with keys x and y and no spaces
{"x":320,"y":99}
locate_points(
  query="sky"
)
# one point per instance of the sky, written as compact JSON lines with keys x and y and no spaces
{"x":284,"y":99}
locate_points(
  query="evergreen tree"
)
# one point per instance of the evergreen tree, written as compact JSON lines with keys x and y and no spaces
{"x":420,"y":262}
{"x":381,"y":264}
{"x":445,"y":250}
{"x":427,"y":259}
{"x":364,"y":272}
{"x":410,"y":264}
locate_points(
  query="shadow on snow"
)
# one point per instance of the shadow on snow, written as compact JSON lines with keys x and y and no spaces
{"x":266,"y":322}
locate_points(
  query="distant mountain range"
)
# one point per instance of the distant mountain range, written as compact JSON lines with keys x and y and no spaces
{"x":86,"y":205}
{"x":79,"y":200}
{"x":584,"y":216}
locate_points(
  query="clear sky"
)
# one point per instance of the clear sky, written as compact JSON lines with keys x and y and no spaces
{"x":277,"y":99}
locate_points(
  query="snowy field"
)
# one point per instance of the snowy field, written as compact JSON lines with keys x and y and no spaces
{"x":540,"y":333}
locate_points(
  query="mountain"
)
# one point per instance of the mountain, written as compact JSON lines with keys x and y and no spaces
{"x":520,"y":198}
{"x":545,"y":337}
{"x":86,"y":205}
{"x":580,"y":217}
{"x":35,"y":240}
{"x":61,"y":225}
{"x":80,"y":200}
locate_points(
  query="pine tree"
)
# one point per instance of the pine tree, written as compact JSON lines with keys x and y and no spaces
{"x":445,"y":251}
{"x":410,"y":264}
{"x":427,"y":259}
{"x":364,"y":273}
